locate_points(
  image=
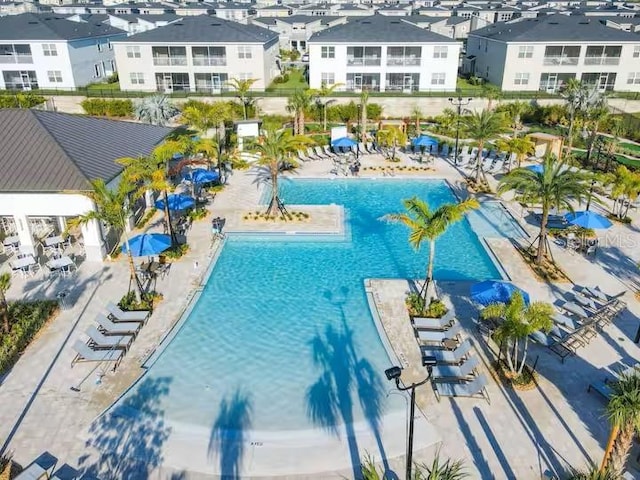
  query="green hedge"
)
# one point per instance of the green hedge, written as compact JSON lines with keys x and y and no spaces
{"x":26,"y":319}
{"x":20,"y":100}
{"x":100,"y":107}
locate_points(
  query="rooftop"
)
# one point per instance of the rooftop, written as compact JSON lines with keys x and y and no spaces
{"x":51,"y":152}
{"x":30,"y":26}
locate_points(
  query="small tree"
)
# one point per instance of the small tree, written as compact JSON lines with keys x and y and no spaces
{"x":515,"y":111}
{"x":491,"y":92}
{"x":5,"y":284}
{"x":364,"y":102}
{"x":156,"y":110}
{"x":517,"y":322}
{"x":521,"y":146}
{"x":391,"y":138}
{"x":625,"y":189}
{"x":416,"y":113}
{"x":426,"y":225}
{"x":483,"y":126}
{"x":298,"y":104}
{"x":323,"y":101}
{"x":242,"y":89}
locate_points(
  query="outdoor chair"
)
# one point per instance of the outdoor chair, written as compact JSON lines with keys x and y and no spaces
{"x":120,"y":315}
{"x":320,"y":153}
{"x":312,"y":155}
{"x":587,"y":303}
{"x":555,"y":346}
{"x":453,"y":357}
{"x":84,"y":353}
{"x":362,"y":148}
{"x":120,"y":328}
{"x":433,"y":336}
{"x":301,"y":156}
{"x":472,"y":388}
{"x":100,"y":341}
{"x":598,"y":295}
{"x":434,"y":323}
{"x":602,"y":387}
{"x":40,"y":468}
{"x":65,"y":472}
{"x":444,"y":153}
{"x":327,"y":151}
{"x":462,"y":371}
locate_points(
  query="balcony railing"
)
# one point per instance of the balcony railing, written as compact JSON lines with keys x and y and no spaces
{"x":16,"y":59}
{"x":170,"y":61}
{"x":209,"y":61}
{"x":20,"y":86}
{"x":403,"y":62}
{"x":363,"y":61}
{"x":560,"y":61}
{"x":602,"y":60}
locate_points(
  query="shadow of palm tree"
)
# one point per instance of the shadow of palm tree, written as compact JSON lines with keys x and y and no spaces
{"x":228,"y":435}
{"x":129,"y":436}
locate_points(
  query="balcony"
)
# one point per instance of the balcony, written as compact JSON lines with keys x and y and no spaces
{"x":209,"y":61}
{"x":363,"y":61}
{"x":16,"y":59}
{"x":402,"y":62}
{"x":560,"y":60}
{"x":170,"y":61}
{"x":602,"y":61}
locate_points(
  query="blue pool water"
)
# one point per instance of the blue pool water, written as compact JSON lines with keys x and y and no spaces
{"x":282,"y":333}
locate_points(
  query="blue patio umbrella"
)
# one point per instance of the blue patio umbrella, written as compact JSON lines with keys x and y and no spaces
{"x":176,"y":202}
{"x":424,"y":141}
{"x":202,"y":175}
{"x":343,"y":142}
{"x":588,"y":219}
{"x":494,"y":291}
{"x":147,"y":244}
{"x":537,"y":168}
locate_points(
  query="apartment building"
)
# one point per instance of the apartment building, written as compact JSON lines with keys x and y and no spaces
{"x":50,"y":52}
{"x":543,"y":53}
{"x":196,"y":54}
{"x":381,"y":53}
{"x":294,"y":31}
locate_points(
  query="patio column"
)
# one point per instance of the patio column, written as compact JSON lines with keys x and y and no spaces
{"x":62,"y":224}
{"x":23,"y":230}
{"x":93,"y":241}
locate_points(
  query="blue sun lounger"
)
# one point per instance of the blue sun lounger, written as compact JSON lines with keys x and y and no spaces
{"x":472,"y":388}
{"x":456,"y":371}
{"x":435,"y":336}
{"x":453,"y":357}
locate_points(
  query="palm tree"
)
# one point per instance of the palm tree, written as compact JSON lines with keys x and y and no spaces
{"x":517,"y":322}
{"x":242,"y":89}
{"x":5,"y":284}
{"x":112,"y":207}
{"x":298,"y":104}
{"x":578,"y":97}
{"x":276,"y":149}
{"x":625,"y":189}
{"x":515,"y":111}
{"x":482,"y":126}
{"x":491,"y":92}
{"x":426,"y":224}
{"x":364,"y":101}
{"x":416,"y":113}
{"x":199,"y":117}
{"x":593,"y":473}
{"x":623,"y":411}
{"x":594,"y":116}
{"x":521,"y":146}
{"x":557,"y":186}
{"x":392,"y":137}
{"x":156,"y":110}
{"x":439,"y":470}
{"x":322,"y":100}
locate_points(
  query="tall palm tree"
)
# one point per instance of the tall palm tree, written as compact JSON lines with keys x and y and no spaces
{"x":426,"y":225}
{"x":578,"y":97}
{"x":625,"y":189}
{"x":113,"y":208}
{"x":555,"y":187}
{"x":482,"y":126}
{"x":417,"y":114}
{"x":156,"y":110}
{"x":491,"y":92}
{"x":5,"y":284}
{"x":298,"y":104}
{"x":623,"y":411}
{"x":517,"y":322}
{"x":392,"y":137}
{"x":594,"y":116}
{"x":276,"y":149}
{"x":521,"y":146}
{"x":364,"y":101}
{"x":321,"y":96}
{"x":515,"y":111}
{"x":199,"y":117}
{"x":242,"y":89}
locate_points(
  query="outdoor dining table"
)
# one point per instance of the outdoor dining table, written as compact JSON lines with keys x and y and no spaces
{"x":11,"y":241}
{"x":53,"y":241}
{"x":149,"y":268}
{"x":24,"y":262}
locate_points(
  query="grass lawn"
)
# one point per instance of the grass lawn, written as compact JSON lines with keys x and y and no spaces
{"x":628,"y":161}
{"x":296,"y":81}
{"x":463,"y":84}
{"x":630,"y":146}
{"x":103,"y":86}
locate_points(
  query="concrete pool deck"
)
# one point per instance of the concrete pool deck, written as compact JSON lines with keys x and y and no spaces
{"x":524,"y":433}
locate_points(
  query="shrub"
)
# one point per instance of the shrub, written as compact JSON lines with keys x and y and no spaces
{"x":146,"y":217}
{"x":129,"y":301}
{"x":100,"y":107}
{"x":26,"y":320}
{"x":436,"y":309}
{"x":374,"y":111}
{"x":198,"y":213}
{"x":176,"y":252}
{"x":415,"y":304}
{"x":113,"y":78}
{"x":21,"y":100}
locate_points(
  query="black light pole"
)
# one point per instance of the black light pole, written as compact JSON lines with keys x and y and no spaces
{"x":358,"y":135}
{"x":458,"y":103}
{"x":394,"y":373}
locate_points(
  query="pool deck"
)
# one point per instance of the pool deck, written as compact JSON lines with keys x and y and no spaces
{"x":519,"y":435}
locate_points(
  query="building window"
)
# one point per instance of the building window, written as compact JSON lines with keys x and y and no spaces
{"x":440,"y":51}
{"x":136,"y":78}
{"x":521,"y":79}
{"x":55,"y":76}
{"x":109,"y":46}
{"x":133,"y":52}
{"x":636,"y":51}
{"x":525,"y":51}
{"x":99,"y":45}
{"x":328,"y":78}
{"x":244,"y":51}
{"x":438,"y":78}
{"x":603,"y":55}
{"x":633,"y":78}
{"x":97,"y":70}
{"x":328,"y":52}
{"x":49,"y":50}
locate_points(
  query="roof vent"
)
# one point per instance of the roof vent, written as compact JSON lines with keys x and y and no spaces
{"x":583,"y":23}
{"x":553,"y":23}
{"x":178,"y":24}
{"x":33,"y":23}
{"x":216,"y":24}
{"x":366,"y":22}
{"x":395,"y":22}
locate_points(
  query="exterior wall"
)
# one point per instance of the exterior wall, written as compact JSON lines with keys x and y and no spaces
{"x":84,"y":56}
{"x":428,"y":65}
{"x":490,"y":58}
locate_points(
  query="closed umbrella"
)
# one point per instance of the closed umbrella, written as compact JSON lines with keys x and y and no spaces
{"x":176,"y":202}
{"x":588,"y":219}
{"x":202,"y":175}
{"x":494,"y":291}
{"x":148,"y":244}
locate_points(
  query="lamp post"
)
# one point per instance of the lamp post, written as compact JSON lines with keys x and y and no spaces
{"x":394,"y":373}
{"x":358,"y":134}
{"x":458,"y":103}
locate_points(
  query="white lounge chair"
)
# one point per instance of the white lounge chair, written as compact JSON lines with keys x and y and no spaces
{"x":433,"y":336}
{"x":448,"y":356}
{"x":456,"y":371}
{"x":117,"y":328}
{"x":443,"y":323}
{"x":84,"y":353}
{"x":40,"y":468}
{"x":100,"y":341}
{"x":477,"y":386}
{"x":120,"y":315}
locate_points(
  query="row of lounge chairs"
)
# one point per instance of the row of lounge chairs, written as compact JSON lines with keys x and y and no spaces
{"x":492,"y":161}
{"x":578,"y":320}
{"x":111,"y":337}
{"x":456,"y":372}
{"x":46,"y":466}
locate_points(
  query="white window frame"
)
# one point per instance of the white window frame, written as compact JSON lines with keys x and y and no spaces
{"x":328,"y":78}
{"x":438,"y":78}
{"x":328,"y":52}
{"x":97,"y":70}
{"x":440,"y":51}
{"x":133,"y":51}
{"x":633,"y":78}
{"x":99,"y":46}
{"x":49,"y":49}
{"x":525,"y":51}
{"x":245,"y":52}
{"x":522,"y":78}
{"x":636,"y":51}
{"x":136,"y":78}
{"x":54,"y":76}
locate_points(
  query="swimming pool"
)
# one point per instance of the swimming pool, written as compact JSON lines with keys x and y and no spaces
{"x":282,"y":337}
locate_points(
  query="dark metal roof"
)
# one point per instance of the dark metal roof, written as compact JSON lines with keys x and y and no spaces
{"x":52,"y":152}
{"x":378,"y":29}
{"x":205,"y":29}
{"x":553,"y":28}
{"x":31,"y":26}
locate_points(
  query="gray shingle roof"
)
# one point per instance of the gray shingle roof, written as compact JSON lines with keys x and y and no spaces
{"x":553,"y":28}
{"x":30,"y":26}
{"x":205,"y":29}
{"x":52,"y":152}
{"x":378,"y":29}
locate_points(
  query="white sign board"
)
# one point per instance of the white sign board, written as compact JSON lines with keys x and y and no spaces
{"x":251,"y":129}
{"x":338,"y":132}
